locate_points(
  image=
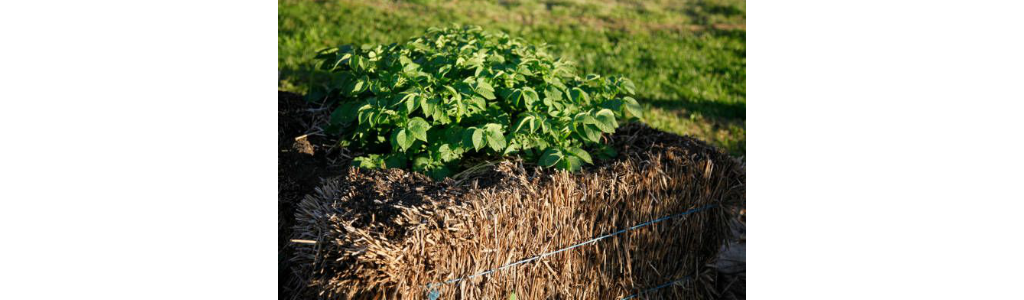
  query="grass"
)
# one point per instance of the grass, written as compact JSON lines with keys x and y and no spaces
{"x":687,"y":58}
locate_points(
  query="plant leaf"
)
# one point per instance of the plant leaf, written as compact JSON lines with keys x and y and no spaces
{"x":591,"y":133}
{"x":473,"y":137}
{"x":614,"y":104}
{"x":552,"y":94}
{"x":395,"y":160}
{"x":627,"y":85}
{"x":403,"y":139}
{"x":526,"y":120}
{"x":579,"y":96}
{"x":571,"y":163}
{"x":606,"y":120}
{"x":484,"y":89}
{"x":418,"y":127}
{"x":359,"y":86}
{"x":446,"y":153}
{"x":514,"y":97}
{"x":429,"y":104}
{"x":345,"y":113}
{"x":577,"y":152}
{"x":410,"y":101}
{"x":530,"y":96}
{"x":550,"y":157}
{"x":633,"y":107}
{"x":421,"y":163}
{"x":364,"y":163}
{"x":495,"y":139}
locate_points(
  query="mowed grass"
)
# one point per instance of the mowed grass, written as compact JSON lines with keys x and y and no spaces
{"x":687,"y":58}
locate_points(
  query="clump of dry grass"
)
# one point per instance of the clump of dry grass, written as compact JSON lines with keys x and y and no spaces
{"x":388,"y":234}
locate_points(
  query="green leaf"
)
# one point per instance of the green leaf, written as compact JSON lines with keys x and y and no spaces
{"x":363,"y":162}
{"x":614,"y":104}
{"x":429,"y":104}
{"x":484,"y":89}
{"x":544,"y":124}
{"x":421,"y":163}
{"x":552,"y":94}
{"x":495,"y":138}
{"x":550,"y":157}
{"x":453,"y":135}
{"x":446,"y":153}
{"x":610,"y":152}
{"x":577,"y":152}
{"x":326,"y":53}
{"x":405,"y":60}
{"x":511,"y":148}
{"x":477,"y":104}
{"x":441,"y":115}
{"x":418,"y":127}
{"x":473,"y":137}
{"x":514,"y":97}
{"x":411,"y":103}
{"x":345,"y":113}
{"x":606,"y":120}
{"x":487,"y":94}
{"x":591,"y":133}
{"x":530,"y":96}
{"x":633,"y":107}
{"x":359,"y":86}
{"x":365,"y":115}
{"x":395,"y":160}
{"x":527,"y":121}
{"x":627,"y":85}
{"x":586,"y":119}
{"x":496,"y":59}
{"x":571,"y":163}
{"x":455,"y":94}
{"x":358,"y":63}
{"x":403,"y":139}
{"x":579,"y":96}
{"x":408,"y":66}
{"x":438,"y":173}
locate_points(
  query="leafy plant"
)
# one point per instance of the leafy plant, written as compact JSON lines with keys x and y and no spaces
{"x":461,"y":91}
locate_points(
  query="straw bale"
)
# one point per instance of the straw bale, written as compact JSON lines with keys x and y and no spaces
{"x":387,"y":234}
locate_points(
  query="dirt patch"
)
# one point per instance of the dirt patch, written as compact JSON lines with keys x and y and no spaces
{"x":302,"y":161}
{"x":374,"y":198}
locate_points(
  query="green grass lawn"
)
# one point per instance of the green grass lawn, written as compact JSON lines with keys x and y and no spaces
{"x":687,"y":58}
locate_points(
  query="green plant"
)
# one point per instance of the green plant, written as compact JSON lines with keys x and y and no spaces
{"x":461,"y":91}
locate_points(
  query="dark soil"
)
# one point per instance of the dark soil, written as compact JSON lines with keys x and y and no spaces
{"x":301,"y":165}
{"x":379,"y":192}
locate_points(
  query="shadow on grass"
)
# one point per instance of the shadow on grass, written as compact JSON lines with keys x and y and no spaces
{"x":299,"y":77}
{"x":703,"y":12}
{"x":717,"y":111}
